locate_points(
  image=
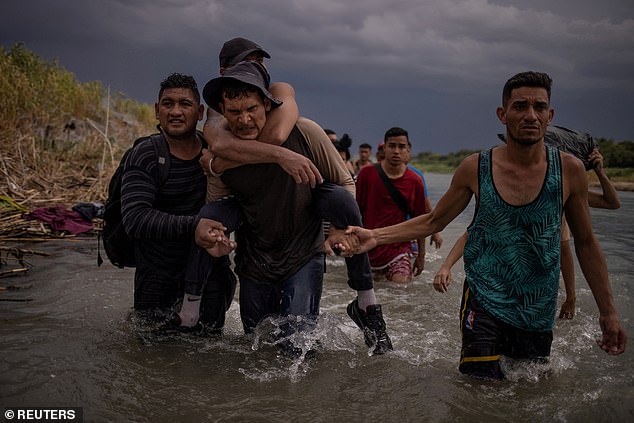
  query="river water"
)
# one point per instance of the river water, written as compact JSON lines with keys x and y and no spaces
{"x":75,"y":345}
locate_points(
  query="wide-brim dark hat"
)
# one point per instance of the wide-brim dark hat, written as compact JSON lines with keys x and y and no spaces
{"x":251,"y":73}
{"x":236,"y":50}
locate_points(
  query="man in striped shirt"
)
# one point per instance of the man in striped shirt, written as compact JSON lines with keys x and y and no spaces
{"x":161,"y":215}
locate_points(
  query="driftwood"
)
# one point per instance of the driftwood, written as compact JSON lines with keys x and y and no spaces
{"x":13,"y":261}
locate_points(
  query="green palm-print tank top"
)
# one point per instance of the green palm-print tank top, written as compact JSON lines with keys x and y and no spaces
{"x":511,"y":257}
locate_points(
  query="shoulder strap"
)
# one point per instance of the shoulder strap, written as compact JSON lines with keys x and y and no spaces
{"x":398,"y":198}
{"x":162,"y":152}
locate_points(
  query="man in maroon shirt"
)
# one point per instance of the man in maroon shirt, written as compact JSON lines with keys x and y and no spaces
{"x":379,"y":208}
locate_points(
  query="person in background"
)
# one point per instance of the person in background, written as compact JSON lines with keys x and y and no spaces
{"x":436,"y":239}
{"x":343,"y":147}
{"x":379,"y":207}
{"x":606,"y":199}
{"x":332,"y":135}
{"x":511,"y":253}
{"x":380,"y":152}
{"x":365,"y":152}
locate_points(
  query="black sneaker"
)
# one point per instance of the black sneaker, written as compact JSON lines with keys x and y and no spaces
{"x":373,"y":326}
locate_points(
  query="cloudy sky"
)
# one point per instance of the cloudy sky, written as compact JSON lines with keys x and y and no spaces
{"x":434,"y":67}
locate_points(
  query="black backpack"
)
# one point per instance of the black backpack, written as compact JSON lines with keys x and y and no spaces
{"x":118,"y":245}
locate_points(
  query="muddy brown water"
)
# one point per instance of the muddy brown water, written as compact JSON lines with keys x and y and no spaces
{"x":75,"y":345}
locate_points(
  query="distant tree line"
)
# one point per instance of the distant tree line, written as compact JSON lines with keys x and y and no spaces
{"x":616,"y":155}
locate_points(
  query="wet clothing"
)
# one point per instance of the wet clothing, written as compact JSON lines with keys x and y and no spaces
{"x":486,"y":339}
{"x":281,"y":230}
{"x":401,"y":265}
{"x":298,"y":295}
{"x":511,"y":257}
{"x":378,"y":209}
{"x":279,"y":258}
{"x":332,"y":203}
{"x":161,"y":219}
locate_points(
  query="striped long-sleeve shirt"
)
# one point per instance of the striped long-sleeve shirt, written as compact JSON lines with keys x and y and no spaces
{"x":161,"y":219}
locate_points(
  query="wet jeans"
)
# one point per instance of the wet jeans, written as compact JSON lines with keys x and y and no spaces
{"x":299,"y":295}
{"x":333,"y":203}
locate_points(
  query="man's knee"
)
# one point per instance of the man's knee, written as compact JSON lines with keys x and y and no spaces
{"x":226,"y":211}
{"x":337,"y":205}
{"x":399,"y":278}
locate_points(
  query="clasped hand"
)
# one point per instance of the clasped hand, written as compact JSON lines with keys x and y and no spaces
{"x":210,"y":235}
{"x":350,"y":241}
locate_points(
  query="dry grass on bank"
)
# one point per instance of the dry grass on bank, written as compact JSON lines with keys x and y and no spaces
{"x":60,"y":139}
{"x":65,"y":168}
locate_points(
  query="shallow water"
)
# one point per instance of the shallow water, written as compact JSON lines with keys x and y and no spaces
{"x":75,"y":345}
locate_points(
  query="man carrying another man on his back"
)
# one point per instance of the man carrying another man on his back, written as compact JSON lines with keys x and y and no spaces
{"x":280,"y":244}
{"x":331,"y":201}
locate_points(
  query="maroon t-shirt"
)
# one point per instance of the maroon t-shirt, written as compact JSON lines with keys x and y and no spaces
{"x":378,"y":209}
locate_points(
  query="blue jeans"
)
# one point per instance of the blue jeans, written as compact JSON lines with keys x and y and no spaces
{"x":299,"y":295}
{"x":333,"y":203}
{"x":340,"y":208}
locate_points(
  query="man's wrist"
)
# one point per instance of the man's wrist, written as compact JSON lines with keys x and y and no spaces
{"x":211,"y":168}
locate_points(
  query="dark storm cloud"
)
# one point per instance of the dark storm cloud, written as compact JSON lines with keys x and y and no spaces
{"x":433,"y":67}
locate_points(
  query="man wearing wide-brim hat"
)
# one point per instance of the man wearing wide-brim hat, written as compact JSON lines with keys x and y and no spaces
{"x":334,"y":203}
{"x":247,"y":72}
{"x":279,"y":257}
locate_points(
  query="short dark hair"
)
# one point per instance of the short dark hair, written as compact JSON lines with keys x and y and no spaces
{"x":330,"y":131}
{"x":233,"y":88}
{"x":526,"y":79}
{"x":365,"y":145}
{"x":178,"y":80}
{"x":396,"y":132}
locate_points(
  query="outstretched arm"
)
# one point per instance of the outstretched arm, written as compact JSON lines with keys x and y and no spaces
{"x":443,"y":276}
{"x":608,"y":198}
{"x":453,"y":202}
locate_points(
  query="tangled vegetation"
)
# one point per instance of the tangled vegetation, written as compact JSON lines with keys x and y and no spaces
{"x":60,"y":139}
